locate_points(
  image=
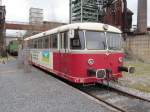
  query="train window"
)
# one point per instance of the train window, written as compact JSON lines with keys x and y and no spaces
{"x":64,"y":40}
{"x":54,"y":41}
{"x":114,"y":41}
{"x":40,"y":42}
{"x":46,"y":42}
{"x":78,"y":41}
{"x":29,"y":43}
{"x":95,"y":40}
{"x":49,"y":42}
{"x":35,"y":43}
{"x":32,"y":44}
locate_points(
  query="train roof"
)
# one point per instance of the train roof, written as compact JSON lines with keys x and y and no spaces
{"x":80,"y":26}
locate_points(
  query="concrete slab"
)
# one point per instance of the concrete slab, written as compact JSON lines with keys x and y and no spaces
{"x":39,"y":92}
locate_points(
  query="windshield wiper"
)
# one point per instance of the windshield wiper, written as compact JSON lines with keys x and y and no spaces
{"x":113,"y":48}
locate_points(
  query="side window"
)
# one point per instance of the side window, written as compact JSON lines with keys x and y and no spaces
{"x":50,"y":41}
{"x":64,"y":40}
{"x":46,"y":42}
{"x":54,"y":40}
{"x":35,"y":44}
{"x":31,"y":45}
{"x":40,"y":42}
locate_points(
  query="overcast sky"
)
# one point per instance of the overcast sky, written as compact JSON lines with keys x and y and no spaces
{"x":54,"y":10}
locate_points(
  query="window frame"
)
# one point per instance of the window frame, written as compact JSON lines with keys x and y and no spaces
{"x":40,"y":43}
{"x":35,"y":43}
{"x":84,"y":39}
{"x":105,"y":41}
{"x":44,"y":42}
{"x":51,"y":41}
{"x":62,"y":41}
{"x":118,"y":37}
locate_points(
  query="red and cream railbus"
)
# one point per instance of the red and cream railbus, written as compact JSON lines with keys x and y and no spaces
{"x":80,"y":52}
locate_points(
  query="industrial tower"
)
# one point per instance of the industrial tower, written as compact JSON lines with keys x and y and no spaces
{"x":142,"y":16}
{"x":84,"y":11}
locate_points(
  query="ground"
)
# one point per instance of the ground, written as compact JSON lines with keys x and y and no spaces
{"x":36,"y":91}
{"x":140,"y":80}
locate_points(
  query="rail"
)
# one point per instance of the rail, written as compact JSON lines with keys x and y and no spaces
{"x":114,"y":98}
{"x":112,"y":95}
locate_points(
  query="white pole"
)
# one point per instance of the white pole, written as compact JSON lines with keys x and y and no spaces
{"x":26,"y":55}
{"x":70,"y":11}
{"x":20,"y":57}
{"x":0,"y":2}
{"x":81,"y":11}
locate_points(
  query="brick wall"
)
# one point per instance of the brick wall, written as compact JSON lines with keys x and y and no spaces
{"x":139,"y":46}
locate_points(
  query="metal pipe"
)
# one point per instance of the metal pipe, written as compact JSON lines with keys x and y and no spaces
{"x":81,"y":11}
{"x":70,"y":11}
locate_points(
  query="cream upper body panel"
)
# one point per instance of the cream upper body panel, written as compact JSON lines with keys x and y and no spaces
{"x":80,"y":26}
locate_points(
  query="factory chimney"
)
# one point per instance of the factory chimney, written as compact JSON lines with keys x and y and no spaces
{"x":142,"y":16}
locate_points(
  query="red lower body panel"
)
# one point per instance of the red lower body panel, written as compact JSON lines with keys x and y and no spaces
{"x":77,"y":80}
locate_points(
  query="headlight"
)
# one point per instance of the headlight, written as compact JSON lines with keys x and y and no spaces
{"x":120,"y":60}
{"x":91,"y":61}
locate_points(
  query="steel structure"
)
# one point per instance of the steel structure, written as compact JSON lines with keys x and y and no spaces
{"x":84,"y":11}
{"x":88,"y":10}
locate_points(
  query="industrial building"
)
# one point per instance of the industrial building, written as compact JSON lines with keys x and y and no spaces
{"x":36,"y":19}
{"x":117,"y":14}
{"x":36,"y":16}
{"x":84,"y":11}
{"x":110,"y":12}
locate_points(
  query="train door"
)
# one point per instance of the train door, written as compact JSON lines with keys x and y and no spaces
{"x":64,"y":57}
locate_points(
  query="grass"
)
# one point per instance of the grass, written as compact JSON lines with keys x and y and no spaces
{"x":141,"y":87}
{"x":140,"y":80}
{"x":6,"y":59}
{"x":141,"y":68}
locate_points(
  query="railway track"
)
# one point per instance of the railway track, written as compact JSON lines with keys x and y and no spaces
{"x":119,"y":100}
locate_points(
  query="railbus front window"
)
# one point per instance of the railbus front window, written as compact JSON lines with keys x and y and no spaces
{"x":114,"y":41}
{"x":78,"y":42}
{"x":95,"y":40}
